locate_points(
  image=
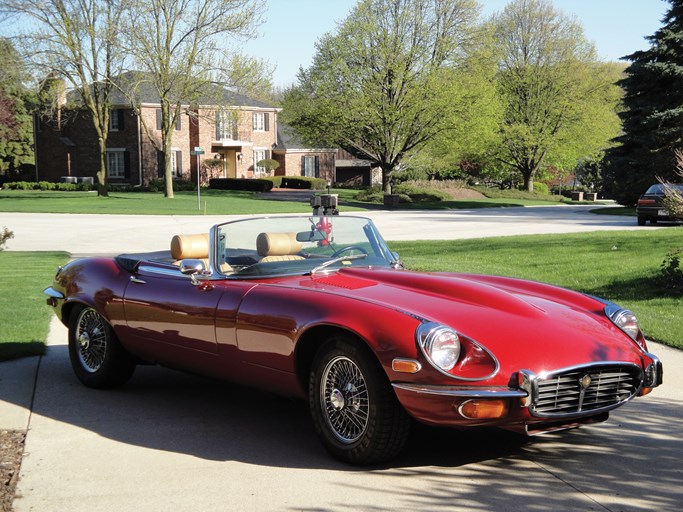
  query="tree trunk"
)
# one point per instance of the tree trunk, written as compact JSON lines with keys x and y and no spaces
{"x":102,"y":186}
{"x":387,"y":178}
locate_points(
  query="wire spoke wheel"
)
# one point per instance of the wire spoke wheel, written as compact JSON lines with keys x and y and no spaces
{"x":92,"y":339}
{"x":345,"y":399}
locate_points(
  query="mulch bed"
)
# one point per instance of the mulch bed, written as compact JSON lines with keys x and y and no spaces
{"x":11,"y":452}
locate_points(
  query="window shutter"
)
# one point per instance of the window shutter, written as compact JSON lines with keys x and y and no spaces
{"x":303,"y":166}
{"x":178,"y":122}
{"x":253,"y":121}
{"x":126,"y":164}
{"x":121,"y":118}
{"x":158,"y":119}
{"x":268,"y":154}
{"x":317,"y":167}
{"x":160,"y":164}
{"x":266,"y":121}
{"x":179,"y":164}
{"x":218,"y":125}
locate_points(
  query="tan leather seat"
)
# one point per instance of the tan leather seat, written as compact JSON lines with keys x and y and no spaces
{"x":278,"y":247}
{"x":190,"y":247}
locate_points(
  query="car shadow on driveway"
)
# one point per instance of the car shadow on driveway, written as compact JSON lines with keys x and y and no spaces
{"x":636,"y":454}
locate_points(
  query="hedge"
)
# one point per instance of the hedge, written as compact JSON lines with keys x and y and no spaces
{"x":254,"y":185}
{"x":47,"y":185}
{"x":303,"y":183}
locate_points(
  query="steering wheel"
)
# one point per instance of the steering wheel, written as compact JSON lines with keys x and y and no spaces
{"x":349,"y":248}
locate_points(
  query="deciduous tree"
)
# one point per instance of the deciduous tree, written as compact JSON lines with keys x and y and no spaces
{"x":75,"y":40}
{"x":179,"y":47}
{"x":558,"y":98}
{"x":381,"y":83}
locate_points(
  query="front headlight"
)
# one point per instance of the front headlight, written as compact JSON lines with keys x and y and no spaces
{"x":624,"y":319}
{"x":440,"y":344}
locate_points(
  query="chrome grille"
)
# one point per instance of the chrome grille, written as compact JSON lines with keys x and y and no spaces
{"x":585,"y":389}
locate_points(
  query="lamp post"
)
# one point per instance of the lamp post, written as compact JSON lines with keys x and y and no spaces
{"x":198,"y":151}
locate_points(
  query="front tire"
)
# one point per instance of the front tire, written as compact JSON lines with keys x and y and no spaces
{"x":355,"y":411}
{"x":97,"y":357}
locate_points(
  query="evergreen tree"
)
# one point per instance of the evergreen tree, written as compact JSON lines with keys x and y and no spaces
{"x":16,"y":128}
{"x":653,"y":113}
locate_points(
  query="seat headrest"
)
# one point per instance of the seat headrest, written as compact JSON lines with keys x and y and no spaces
{"x":277,"y":244}
{"x":190,"y":246}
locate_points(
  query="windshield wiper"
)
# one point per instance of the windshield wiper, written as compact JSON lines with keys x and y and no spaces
{"x":337,"y":260}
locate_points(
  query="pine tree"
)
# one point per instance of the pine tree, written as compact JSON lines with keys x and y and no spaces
{"x":653,"y":113}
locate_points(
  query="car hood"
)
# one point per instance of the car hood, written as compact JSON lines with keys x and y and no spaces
{"x":507,"y":316}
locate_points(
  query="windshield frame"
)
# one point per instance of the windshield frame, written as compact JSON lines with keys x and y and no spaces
{"x":382,"y":256}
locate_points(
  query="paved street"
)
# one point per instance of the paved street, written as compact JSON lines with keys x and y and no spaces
{"x":113,"y":234}
{"x":171,"y":441}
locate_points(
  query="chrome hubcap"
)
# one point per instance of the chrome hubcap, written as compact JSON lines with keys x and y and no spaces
{"x":344,"y":398}
{"x":91,"y":337}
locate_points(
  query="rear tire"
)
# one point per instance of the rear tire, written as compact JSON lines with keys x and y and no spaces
{"x":354,"y":409}
{"x":97,"y":357}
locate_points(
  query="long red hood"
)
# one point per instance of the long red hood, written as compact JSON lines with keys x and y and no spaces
{"x":512,"y":318}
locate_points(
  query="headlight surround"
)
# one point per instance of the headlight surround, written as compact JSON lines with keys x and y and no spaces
{"x":624,"y":319}
{"x":440,"y":345}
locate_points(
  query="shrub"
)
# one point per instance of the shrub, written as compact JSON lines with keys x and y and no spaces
{"x":420,"y":194}
{"x":277,"y":180}
{"x":5,"y":235}
{"x":303,"y":183}
{"x":672,"y":273}
{"x":540,"y":188}
{"x":47,"y":185}
{"x":257,"y":185}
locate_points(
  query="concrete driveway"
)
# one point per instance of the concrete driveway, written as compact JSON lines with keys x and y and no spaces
{"x":171,"y":441}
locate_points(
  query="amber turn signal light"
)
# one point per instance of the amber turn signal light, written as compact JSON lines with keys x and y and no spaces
{"x":405,"y":365}
{"x":484,"y":409}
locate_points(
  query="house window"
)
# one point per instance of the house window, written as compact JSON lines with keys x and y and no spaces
{"x":178,"y":120}
{"x":259,"y":154}
{"x":176,"y":163}
{"x":310,"y":166}
{"x":261,"y":122}
{"x":226,"y":125}
{"x":116,"y":163}
{"x":116,"y":120}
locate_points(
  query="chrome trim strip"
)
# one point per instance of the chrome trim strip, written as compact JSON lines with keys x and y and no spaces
{"x":461,"y":392}
{"x":162,"y":271}
{"x":52,"y":293}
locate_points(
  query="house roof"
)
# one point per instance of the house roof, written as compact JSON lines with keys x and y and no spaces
{"x":145,"y":93}
{"x":289,"y":140}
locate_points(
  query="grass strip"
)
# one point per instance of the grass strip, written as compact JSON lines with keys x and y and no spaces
{"x":24,"y":316}
{"x":621,"y":266}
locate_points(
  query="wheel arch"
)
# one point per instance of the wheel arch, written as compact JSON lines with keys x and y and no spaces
{"x":313,"y":339}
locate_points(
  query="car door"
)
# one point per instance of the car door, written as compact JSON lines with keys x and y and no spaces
{"x":163,"y":307}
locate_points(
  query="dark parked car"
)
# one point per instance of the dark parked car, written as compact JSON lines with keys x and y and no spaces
{"x":651,"y":205}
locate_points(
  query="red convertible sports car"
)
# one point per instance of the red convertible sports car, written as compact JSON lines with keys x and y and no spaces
{"x":318,"y":307}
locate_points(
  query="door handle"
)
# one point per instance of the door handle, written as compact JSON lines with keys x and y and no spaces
{"x":134,"y":279}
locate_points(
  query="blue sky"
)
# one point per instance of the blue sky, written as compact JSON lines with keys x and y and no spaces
{"x":617,"y":27}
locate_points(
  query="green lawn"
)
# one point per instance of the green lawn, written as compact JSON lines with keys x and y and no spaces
{"x":619,"y":266}
{"x":622,"y":266}
{"x":213,"y":202}
{"x":24,"y":316}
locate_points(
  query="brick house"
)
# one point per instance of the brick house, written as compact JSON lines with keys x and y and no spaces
{"x":235,"y":135}
{"x":298,"y":159}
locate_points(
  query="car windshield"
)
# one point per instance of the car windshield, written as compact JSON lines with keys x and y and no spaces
{"x":278,"y":246}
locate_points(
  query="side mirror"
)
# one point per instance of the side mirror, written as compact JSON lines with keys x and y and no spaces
{"x":192,"y":268}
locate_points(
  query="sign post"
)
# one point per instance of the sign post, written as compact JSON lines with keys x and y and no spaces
{"x":198,"y":151}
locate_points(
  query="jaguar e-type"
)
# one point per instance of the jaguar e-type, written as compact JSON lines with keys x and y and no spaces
{"x":320,"y":308}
